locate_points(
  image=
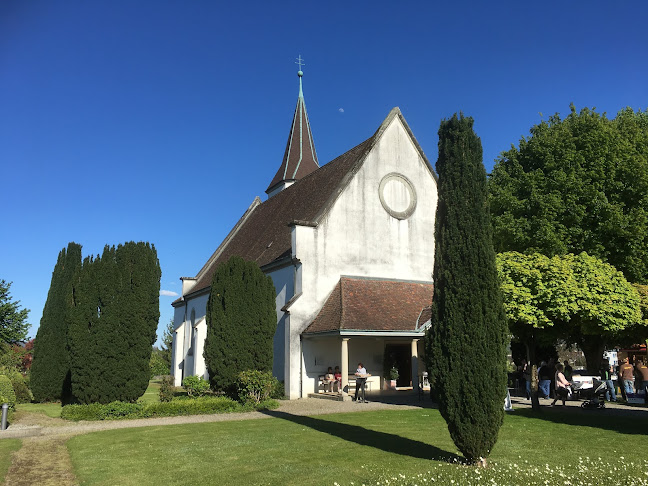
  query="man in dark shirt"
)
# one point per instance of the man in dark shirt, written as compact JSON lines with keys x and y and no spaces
{"x":641,"y":371}
{"x":606,"y":376}
{"x":626,"y":370}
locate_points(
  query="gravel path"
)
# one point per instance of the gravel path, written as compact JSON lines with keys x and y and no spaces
{"x":305,"y":406}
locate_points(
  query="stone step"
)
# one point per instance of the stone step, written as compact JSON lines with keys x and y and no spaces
{"x":327,"y":396}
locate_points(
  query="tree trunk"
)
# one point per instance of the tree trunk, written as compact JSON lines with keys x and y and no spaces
{"x":593,"y":347}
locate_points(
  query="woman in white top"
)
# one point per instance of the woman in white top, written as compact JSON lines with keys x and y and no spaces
{"x":561,"y":385}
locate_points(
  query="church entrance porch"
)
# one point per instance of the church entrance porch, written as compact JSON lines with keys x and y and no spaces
{"x":378,"y":352}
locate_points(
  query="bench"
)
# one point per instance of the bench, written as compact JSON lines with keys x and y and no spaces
{"x":323,"y":385}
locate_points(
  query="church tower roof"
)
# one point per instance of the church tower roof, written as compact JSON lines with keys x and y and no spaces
{"x":300,"y":158}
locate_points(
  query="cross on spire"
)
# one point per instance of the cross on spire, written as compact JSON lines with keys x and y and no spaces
{"x":300,"y":62}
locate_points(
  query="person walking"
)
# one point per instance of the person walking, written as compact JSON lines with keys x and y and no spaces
{"x":626,"y":370}
{"x":606,"y":376}
{"x":561,"y":385}
{"x":641,"y":383}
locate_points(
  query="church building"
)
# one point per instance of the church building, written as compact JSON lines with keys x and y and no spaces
{"x":349,"y":246}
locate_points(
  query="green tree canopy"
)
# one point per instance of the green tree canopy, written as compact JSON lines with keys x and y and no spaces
{"x":466,"y":341}
{"x":241,"y":322}
{"x":13,"y":319}
{"x":578,"y":298}
{"x":574,"y":185}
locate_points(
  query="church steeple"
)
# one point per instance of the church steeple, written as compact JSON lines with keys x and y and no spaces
{"x":299,"y":158}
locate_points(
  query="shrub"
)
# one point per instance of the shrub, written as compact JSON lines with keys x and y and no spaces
{"x":167,"y":390}
{"x":195,"y":385}
{"x":90,"y":411}
{"x":393,"y":374}
{"x":255,"y":385}
{"x":278,"y":390}
{"x":19,"y":384}
{"x":7,"y":391}
{"x":188,"y":406}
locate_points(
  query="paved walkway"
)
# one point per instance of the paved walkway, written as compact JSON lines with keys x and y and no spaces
{"x":305,"y":406}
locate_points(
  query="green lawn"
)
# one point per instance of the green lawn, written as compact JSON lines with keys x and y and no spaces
{"x":385,"y":447}
{"x":7,"y":446}
{"x":50,"y":409}
{"x":152,"y":393}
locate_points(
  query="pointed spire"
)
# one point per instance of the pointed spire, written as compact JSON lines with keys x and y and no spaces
{"x":300,"y":158}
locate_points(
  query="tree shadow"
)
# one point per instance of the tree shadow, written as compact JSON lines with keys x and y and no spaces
{"x":383,"y":441}
{"x":630,"y":422}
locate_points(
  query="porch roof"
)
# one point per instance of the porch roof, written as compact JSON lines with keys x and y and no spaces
{"x":360,"y":305}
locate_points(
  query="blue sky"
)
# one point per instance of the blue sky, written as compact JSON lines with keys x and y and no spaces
{"x":161,"y":120}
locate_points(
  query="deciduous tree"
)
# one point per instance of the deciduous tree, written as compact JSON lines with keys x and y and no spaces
{"x":574,"y":185}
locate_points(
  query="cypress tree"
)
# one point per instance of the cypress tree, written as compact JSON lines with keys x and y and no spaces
{"x":241,"y":322}
{"x":49,"y":377}
{"x":115,"y":317}
{"x":467,"y":338}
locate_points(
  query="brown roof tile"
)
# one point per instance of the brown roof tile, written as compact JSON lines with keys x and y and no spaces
{"x":373,"y":305}
{"x":264,"y":235}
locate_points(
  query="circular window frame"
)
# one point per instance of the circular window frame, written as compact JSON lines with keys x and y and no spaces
{"x":410,"y":188}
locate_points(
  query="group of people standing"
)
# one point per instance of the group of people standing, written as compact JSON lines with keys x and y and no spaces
{"x":554,"y":379}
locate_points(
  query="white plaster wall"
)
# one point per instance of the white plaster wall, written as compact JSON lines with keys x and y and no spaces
{"x":183,"y":362}
{"x":358,"y":237}
{"x":284,"y":282}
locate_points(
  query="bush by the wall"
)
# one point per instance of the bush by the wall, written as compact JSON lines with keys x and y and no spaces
{"x":19,"y":384}
{"x":7,"y":391}
{"x":278,"y":390}
{"x":255,"y":385}
{"x":167,"y":390}
{"x":188,"y":406}
{"x":195,"y":386}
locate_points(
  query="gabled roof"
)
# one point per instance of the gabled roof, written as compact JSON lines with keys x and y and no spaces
{"x":263,"y":234}
{"x":373,"y":305}
{"x":300,"y":158}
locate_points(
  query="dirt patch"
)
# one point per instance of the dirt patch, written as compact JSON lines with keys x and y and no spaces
{"x":23,"y":418}
{"x":42,"y":461}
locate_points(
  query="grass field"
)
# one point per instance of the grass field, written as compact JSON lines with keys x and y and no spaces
{"x":50,"y":409}
{"x":385,"y":447}
{"x":7,"y":446}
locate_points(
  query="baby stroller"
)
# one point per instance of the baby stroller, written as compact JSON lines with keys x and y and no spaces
{"x":594,"y":396}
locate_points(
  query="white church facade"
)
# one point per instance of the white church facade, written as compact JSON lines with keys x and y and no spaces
{"x":350,"y":249}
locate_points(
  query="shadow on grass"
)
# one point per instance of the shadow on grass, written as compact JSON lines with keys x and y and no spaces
{"x":383,"y":441}
{"x":624,"y":421}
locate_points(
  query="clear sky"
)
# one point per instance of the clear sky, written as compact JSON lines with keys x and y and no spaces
{"x":161,"y":120}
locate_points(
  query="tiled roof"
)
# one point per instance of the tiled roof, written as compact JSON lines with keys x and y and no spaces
{"x":264,"y":235}
{"x":373,"y":305}
{"x":300,"y":158}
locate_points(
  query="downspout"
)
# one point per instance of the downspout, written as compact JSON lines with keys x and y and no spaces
{"x":301,"y":367}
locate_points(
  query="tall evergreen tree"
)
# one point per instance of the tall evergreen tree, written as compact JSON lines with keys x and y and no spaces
{"x":241,"y":322}
{"x":467,"y":338}
{"x":114,"y":322}
{"x":50,"y":369}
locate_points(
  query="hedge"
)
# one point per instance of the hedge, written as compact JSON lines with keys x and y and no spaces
{"x":188,"y":406}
